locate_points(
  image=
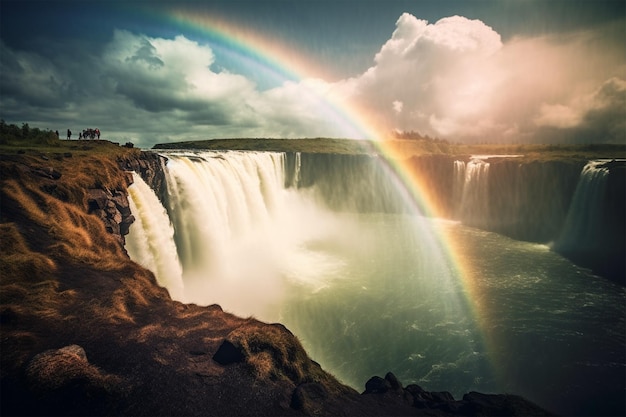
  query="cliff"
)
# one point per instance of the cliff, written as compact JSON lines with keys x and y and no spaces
{"x":544,"y":200}
{"x":526,"y":198}
{"x":86,"y":331}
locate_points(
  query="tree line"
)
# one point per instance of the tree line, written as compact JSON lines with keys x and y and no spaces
{"x":11,"y":133}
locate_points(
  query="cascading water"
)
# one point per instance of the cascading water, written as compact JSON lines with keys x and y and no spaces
{"x":593,"y":232}
{"x":458,"y":183}
{"x":241,"y":235}
{"x":582,"y":229}
{"x":473,"y":208}
{"x":367,"y":285}
{"x":151,"y":243}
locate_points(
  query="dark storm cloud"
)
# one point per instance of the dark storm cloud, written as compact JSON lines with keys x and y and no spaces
{"x":605,"y":120}
{"x":30,"y":78}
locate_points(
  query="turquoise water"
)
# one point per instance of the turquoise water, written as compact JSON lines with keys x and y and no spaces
{"x":517,"y":318}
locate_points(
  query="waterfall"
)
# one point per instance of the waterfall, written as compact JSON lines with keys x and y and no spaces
{"x":150,"y":240}
{"x":473,"y":209}
{"x":458,"y":183}
{"x":351,"y":183}
{"x":582,"y":231}
{"x":240,"y":233}
{"x":240,"y":228}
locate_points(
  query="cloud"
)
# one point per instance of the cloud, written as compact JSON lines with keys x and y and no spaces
{"x":162,"y":75}
{"x":596,"y":117}
{"x":31,"y":77}
{"x":456,"y":79}
{"x":150,"y":90}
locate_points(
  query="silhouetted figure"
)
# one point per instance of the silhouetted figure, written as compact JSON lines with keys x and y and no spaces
{"x":69,"y":134}
{"x":56,"y":132}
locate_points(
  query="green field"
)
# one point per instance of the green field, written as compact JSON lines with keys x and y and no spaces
{"x":405,"y":148}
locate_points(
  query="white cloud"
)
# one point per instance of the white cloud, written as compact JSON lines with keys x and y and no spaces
{"x":558,"y":115}
{"x":456,"y":79}
{"x":437,"y":71}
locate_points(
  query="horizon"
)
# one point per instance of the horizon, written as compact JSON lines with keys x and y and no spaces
{"x":468,"y":72}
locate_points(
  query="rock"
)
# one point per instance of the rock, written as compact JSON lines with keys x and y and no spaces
{"x":125,"y":224}
{"x":63,"y":379}
{"x":121,"y":203}
{"x":393,"y":381}
{"x":47,"y":172}
{"x":478,"y":404}
{"x":309,"y":397}
{"x":228,"y":353}
{"x":97,"y":198}
{"x":149,"y":165}
{"x":441,"y":396}
{"x":113,"y":209}
{"x":377,"y":385}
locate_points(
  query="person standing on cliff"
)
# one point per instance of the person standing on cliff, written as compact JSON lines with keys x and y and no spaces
{"x":69,"y":134}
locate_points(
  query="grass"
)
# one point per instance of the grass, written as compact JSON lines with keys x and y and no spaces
{"x":273,"y":352}
{"x":317,"y":145}
{"x":405,"y":148}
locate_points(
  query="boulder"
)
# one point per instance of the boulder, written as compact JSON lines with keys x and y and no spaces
{"x":377,"y":385}
{"x":309,"y":397}
{"x":97,"y":199}
{"x":62,"y":379}
{"x":228,"y":353}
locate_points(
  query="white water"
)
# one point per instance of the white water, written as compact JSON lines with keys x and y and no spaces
{"x":242,"y":237}
{"x":151,"y":243}
{"x":580,"y":231}
{"x":472,"y":187}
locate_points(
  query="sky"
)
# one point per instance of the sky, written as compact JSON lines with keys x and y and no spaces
{"x":476,"y":71}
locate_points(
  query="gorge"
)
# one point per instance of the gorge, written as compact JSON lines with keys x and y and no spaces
{"x":367,"y":284}
{"x":293,"y":236}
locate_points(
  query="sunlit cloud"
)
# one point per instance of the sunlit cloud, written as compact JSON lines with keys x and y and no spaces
{"x":456,"y":79}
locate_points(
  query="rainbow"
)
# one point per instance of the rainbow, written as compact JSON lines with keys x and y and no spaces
{"x":275,"y":59}
{"x":278,"y":62}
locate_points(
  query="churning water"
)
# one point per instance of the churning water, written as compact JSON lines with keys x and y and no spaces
{"x":438,"y":303}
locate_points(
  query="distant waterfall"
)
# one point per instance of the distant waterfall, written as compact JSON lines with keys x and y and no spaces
{"x":351,"y":183}
{"x":582,"y":231}
{"x":458,"y":183}
{"x":150,"y":242}
{"x":472,"y":186}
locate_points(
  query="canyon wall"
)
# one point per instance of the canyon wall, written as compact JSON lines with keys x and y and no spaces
{"x":532,"y":200}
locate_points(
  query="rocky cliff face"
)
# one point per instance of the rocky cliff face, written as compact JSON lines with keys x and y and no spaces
{"x":86,"y":331}
{"x":111,"y":205}
{"x":531,"y":201}
{"x":524,"y":199}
